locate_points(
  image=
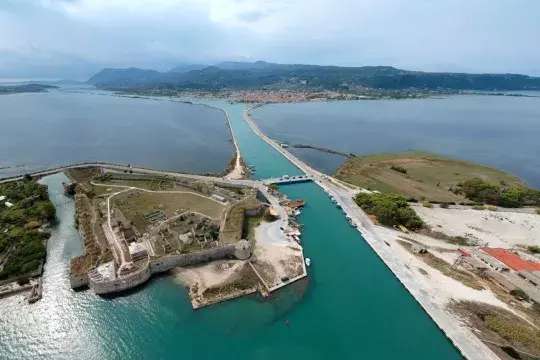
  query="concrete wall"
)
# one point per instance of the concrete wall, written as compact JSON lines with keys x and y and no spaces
{"x":78,"y":281}
{"x":171,"y":261}
{"x":124,"y":283}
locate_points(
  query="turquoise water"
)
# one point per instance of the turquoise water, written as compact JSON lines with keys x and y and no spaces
{"x":353,"y":307}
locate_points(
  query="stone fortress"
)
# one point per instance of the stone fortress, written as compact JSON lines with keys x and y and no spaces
{"x":119,"y":257}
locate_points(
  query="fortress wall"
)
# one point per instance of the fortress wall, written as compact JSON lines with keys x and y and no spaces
{"x":124,"y":283}
{"x":171,"y":261}
{"x":77,"y":281}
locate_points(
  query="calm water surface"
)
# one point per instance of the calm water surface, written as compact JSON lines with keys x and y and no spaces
{"x":497,"y":131}
{"x":353,"y":306}
{"x":46,"y":130}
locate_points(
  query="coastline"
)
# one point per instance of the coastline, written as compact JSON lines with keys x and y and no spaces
{"x":470,"y":346}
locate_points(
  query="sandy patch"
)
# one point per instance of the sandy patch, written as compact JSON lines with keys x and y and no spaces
{"x":498,"y":229}
{"x":275,"y":261}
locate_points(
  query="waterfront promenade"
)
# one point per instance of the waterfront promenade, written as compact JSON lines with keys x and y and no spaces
{"x":465,"y":341}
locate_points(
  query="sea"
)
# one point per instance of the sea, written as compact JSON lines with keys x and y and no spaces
{"x":350,"y":306}
{"x":497,"y":131}
{"x":78,"y":124}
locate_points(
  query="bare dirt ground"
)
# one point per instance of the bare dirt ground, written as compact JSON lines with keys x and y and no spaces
{"x":275,"y":261}
{"x":498,"y":229}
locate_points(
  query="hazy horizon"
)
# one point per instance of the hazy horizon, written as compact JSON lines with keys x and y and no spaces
{"x":56,"y":39}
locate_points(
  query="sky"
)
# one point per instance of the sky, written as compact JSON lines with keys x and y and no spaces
{"x":54,"y":39}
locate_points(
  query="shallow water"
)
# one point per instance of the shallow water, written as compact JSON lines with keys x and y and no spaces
{"x":46,"y":130}
{"x":496,"y":131}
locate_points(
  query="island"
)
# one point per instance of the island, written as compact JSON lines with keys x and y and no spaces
{"x":222,"y":238}
{"x":25,"y":215}
{"x":25,"y":88}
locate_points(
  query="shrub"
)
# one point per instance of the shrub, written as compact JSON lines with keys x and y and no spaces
{"x":519,"y":294}
{"x":534,"y":249}
{"x":491,"y":208}
{"x":538,"y":211}
{"x":444,"y":206}
{"x":399,"y":169}
{"x":478,"y":207}
{"x":389,"y":209}
{"x":274,"y":187}
{"x":427,"y":204}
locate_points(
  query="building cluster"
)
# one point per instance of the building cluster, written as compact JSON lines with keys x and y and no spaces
{"x":507,"y":269}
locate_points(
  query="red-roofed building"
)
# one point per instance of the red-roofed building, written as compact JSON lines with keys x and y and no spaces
{"x":463,"y":252}
{"x":512,"y":260}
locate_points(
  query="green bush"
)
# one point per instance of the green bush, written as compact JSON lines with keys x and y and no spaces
{"x":538,"y":211}
{"x":519,"y":293}
{"x":444,"y":206}
{"x":273,"y":187}
{"x":491,"y":208}
{"x":478,"y":207}
{"x":427,"y":204}
{"x":389,"y":209}
{"x":534,"y":249}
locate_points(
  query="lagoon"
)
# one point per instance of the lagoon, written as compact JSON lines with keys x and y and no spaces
{"x":46,"y":130}
{"x":496,"y":131}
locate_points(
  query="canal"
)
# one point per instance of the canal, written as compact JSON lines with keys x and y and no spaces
{"x":354,"y":306}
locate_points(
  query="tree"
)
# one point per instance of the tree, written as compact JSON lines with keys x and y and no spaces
{"x":27,"y":177}
{"x":274,"y":187}
{"x":512,"y":197}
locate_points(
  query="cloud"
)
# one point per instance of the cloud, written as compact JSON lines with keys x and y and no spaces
{"x":78,"y":37}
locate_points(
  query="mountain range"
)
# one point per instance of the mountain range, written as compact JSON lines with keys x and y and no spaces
{"x":261,"y":74}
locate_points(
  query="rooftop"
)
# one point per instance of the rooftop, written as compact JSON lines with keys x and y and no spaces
{"x":512,"y":260}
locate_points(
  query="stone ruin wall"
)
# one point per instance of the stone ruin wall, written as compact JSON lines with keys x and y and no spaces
{"x":171,"y":261}
{"x":123,"y":283}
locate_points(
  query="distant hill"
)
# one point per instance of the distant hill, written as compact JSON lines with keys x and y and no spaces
{"x":130,"y":76}
{"x":184,"y":68}
{"x":239,"y":75}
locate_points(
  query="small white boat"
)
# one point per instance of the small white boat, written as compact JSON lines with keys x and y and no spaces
{"x":352,"y":223}
{"x":308,"y":261}
{"x":348,"y":217}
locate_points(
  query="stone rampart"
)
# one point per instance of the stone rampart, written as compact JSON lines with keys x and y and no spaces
{"x":171,"y":261}
{"x":120,"y":284}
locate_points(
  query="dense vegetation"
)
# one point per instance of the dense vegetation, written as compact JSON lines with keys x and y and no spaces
{"x":482,"y":191}
{"x":21,"y":245}
{"x":263,"y":74}
{"x":389,"y":209}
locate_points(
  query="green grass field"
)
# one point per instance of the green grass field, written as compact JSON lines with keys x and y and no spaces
{"x":428,"y":176}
